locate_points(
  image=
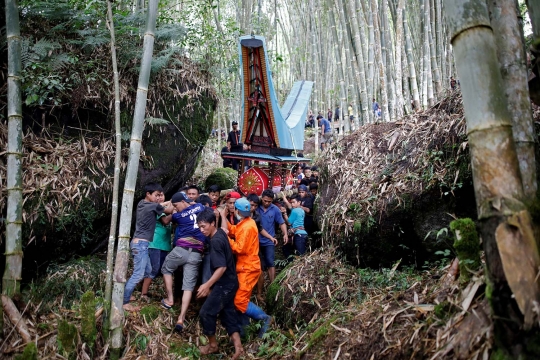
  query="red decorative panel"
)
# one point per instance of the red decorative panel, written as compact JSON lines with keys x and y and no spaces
{"x":253,"y":180}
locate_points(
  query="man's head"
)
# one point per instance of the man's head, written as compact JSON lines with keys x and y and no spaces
{"x":299,"y":169}
{"x":192,"y":192}
{"x":307,"y":171}
{"x":254,"y":201}
{"x":204,"y":200}
{"x":295,"y":201}
{"x":313,"y":188}
{"x":315,"y":171}
{"x":235,"y":125}
{"x":214,"y":191}
{"x":302,"y":190}
{"x":180,"y":201}
{"x":230,"y":199}
{"x":242,"y":208}
{"x":266,"y":198}
{"x":152,"y":191}
{"x":373,"y":99}
{"x":206,"y":220}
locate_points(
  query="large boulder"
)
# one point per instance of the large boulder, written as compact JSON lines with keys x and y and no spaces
{"x":68,"y":115}
{"x":388,"y":189}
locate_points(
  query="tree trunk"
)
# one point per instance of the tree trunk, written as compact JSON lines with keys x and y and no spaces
{"x":11,"y":281}
{"x":399,"y":45}
{"x":512,"y":258}
{"x":513,"y":66}
{"x":410,"y":61}
{"x":359,"y":57}
{"x":378,"y":54}
{"x":117,"y":159}
{"x":435,"y":72}
{"x":122,"y":256}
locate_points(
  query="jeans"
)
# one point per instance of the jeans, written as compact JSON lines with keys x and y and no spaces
{"x":299,"y":243}
{"x":267,"y":255}
{"x":141,"y":267}
{"x":220,"y":302}
{"x":157,"y":258}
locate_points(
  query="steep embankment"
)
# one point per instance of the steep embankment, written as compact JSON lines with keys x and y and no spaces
{"x":388,"y":188}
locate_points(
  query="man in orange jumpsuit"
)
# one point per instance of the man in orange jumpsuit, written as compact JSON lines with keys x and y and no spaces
{"x":248,"y":265}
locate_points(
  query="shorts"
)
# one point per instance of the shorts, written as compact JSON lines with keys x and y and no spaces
{"x":326,"y":138}
{"x":189,"y":260}
{"x":267,"y":255}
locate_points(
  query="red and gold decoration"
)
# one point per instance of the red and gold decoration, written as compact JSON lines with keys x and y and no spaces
{"x":253,"y":180}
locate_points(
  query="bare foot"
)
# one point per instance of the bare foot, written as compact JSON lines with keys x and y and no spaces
{"x":238,"y":352}
{"x":132,"y":298}
{"x":129,"y":307}
{"x":208,"y":349}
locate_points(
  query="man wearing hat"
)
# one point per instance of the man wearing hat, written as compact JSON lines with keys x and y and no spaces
{"x":187,"y":253}
{"x":234,"y":144}
{"x":248,"y":265}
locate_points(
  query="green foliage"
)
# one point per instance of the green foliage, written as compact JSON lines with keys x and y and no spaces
{"x":88,"y":319}
{"x":30,"y":352}
{"x":445,"y":310}
{"x":67,"y":339}
{"x":385,"y":279}
{"x":65,"y":283}
{"x":467,"y":245}
{"x":141,"y":341}
{"x":225,"y":178}
{"x":275,"y":343}
{"x":150,"y":313}
{"x":184,"y":349}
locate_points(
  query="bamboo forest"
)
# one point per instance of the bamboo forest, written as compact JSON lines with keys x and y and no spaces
{"x":270,"y":179}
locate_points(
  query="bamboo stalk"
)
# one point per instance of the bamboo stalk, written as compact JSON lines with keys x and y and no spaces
{"x":379,"y":57}
{"x":117,"y":158}
{"x":11,"y":280}
{"x":410,"y":61}
{"x":512,"y":257}
{"x":122,"y":256}
{"x":513,"y":66}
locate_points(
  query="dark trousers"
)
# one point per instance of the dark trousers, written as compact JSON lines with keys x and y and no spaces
{"x":299,"y":244}
{"x":220,"y":302}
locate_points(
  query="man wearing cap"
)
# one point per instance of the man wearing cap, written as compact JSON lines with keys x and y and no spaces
{"x":248,"y":266}
{"x":187,"y":253}
{"x":234,"y":144}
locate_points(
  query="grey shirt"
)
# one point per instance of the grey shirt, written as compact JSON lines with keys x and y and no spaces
{"x":145,"y":224}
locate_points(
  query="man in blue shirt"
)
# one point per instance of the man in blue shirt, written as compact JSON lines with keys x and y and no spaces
{"x":375,"y":108}
{"x":326,"y":132}
{"x":187,"y":253}
{"x":270,"y":215}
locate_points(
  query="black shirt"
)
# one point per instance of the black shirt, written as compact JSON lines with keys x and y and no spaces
{"x":307,"y":201}
{"x":221,"y":256}
{"x":234,"y":138}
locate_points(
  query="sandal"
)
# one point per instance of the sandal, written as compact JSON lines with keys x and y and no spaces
{"x":165,"y":305}
{"x":178,"y":328}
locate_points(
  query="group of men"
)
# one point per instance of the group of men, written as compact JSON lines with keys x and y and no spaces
{"x":222,"y":245}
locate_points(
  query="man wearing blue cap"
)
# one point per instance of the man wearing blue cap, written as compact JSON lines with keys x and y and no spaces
{"x":186,"y":254}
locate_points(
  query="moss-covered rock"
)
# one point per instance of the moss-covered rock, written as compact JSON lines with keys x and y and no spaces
{"x":67,"y":339}
{"x":150,"y":313}
{"x":225,"y":178}
{"x":88,"y":318}
{"x":30,"y":352}
{"x":467,"y":245}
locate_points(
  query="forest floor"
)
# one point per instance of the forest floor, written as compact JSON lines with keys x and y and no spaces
{"x":338,"y":312}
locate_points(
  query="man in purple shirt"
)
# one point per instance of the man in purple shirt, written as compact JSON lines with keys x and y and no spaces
{"x":187,"y":253}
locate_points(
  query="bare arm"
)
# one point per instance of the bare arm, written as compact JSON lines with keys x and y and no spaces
{"x":204,"y":289}
{"x":283,"y":228}
{"x":166,"y":220}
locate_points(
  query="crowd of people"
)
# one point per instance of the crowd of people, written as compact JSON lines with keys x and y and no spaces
{"x":223,"y":245}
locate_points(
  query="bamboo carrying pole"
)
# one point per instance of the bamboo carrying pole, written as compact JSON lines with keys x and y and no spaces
{"x":511,"y":252}
{"x":117,"y":158}
{"x":11,"y":281}
{"x":122,"y":255}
